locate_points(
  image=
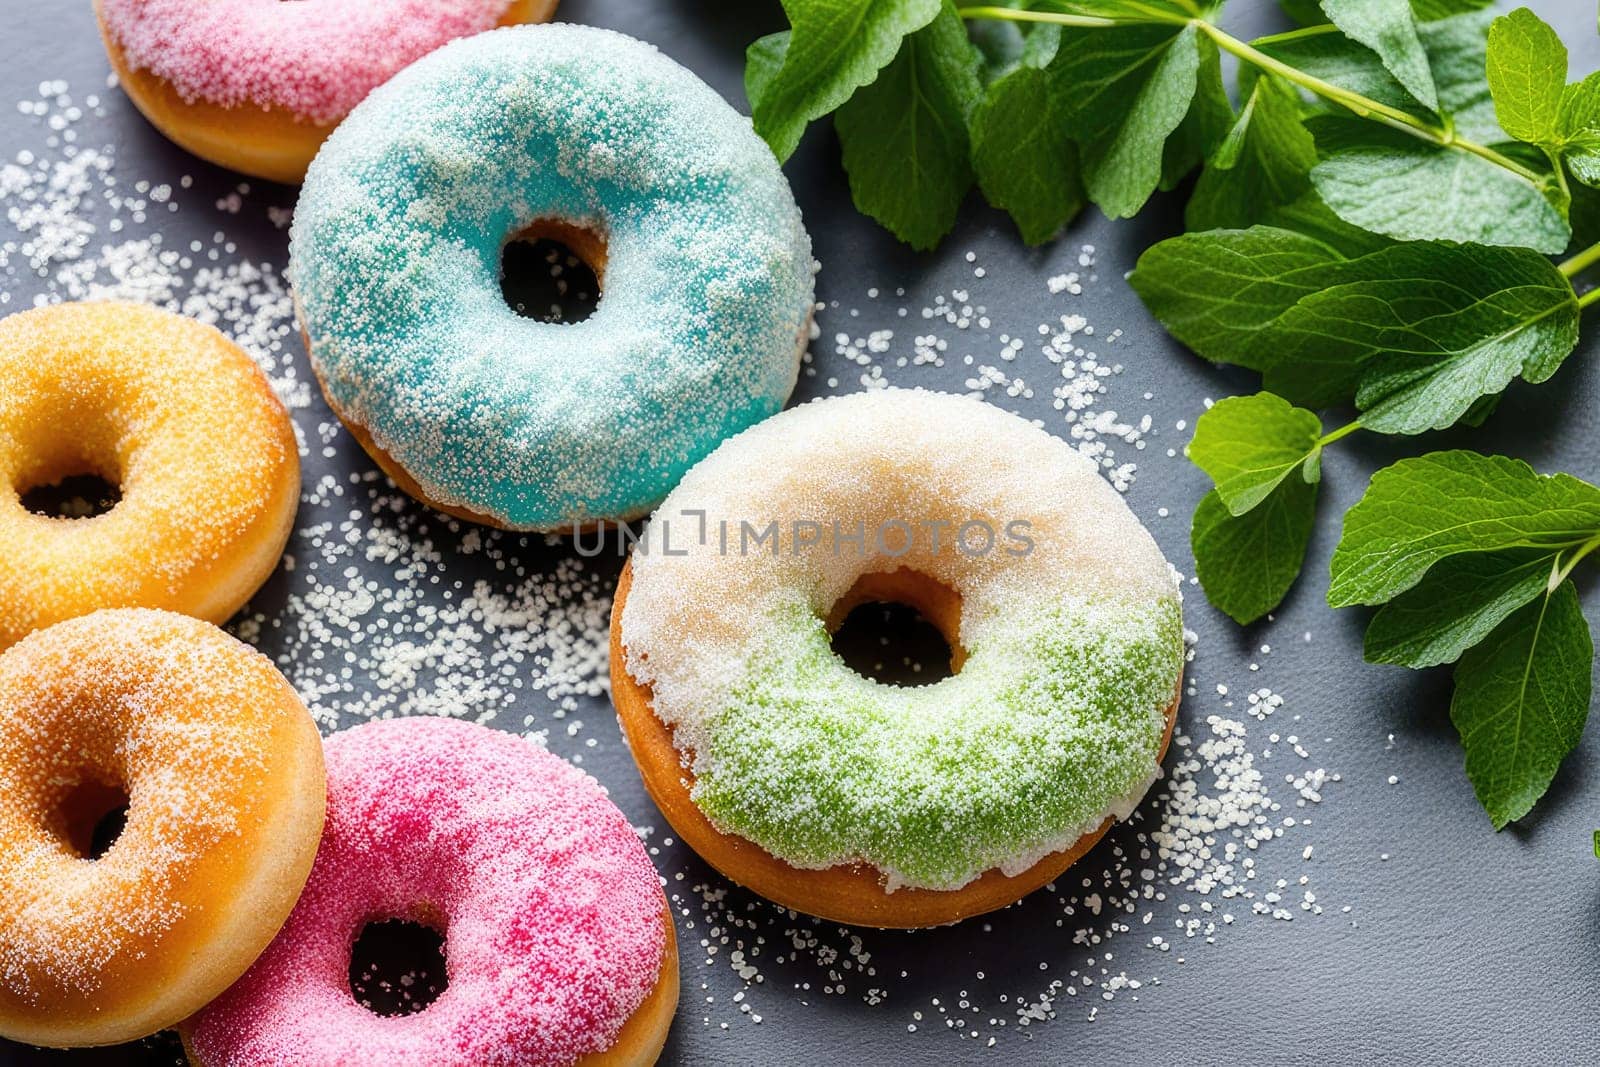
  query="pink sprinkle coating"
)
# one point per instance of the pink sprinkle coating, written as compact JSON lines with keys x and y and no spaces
{"x":552,"y":914}
{"x":316,"y":59}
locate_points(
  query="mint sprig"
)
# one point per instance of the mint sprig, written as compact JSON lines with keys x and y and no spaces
{"x":1369,"y":230}
{"x":1471,"y":555}
{"x":1135,"y":85}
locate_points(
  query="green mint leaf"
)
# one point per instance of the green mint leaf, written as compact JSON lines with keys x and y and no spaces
{"x":1578,"y":124}
{"x":1458,"y":53}
{"x":835,"y":47}
{"x":1584,"y":165}
{"x":1420,"y":511}
{"x":1025,"y":161}
{"x":1521,"y":700}
{"x":1456,"y":50}
{"x":1387,"y":27}
{"x":1579,"y":112}
{"x":1246,"y":563}
{"x":903,"y":137}
{"x":1527,"y":71}
{"x":1249,"y":444}
{"x":1329,"y":56}
{"x":1219,"y":292}
{"x":1416,"y":334}
{"x":1310,"y":217}
{"x":1429,"y":10}
{"x":762,"y":61}
{"x":1263,"y":164}
{"x":1125,"y":90}
{"x":1205,"y":126}
{"x":1384,"y":181}
{"x":1430,"y":328}
{"x":1457,"y":603}
{"x":1304,"y":12}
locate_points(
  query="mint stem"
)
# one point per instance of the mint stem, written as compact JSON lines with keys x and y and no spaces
{"x":1018,"y":15}
{"x":1572,"y":266}
{"x":1329,"y":438}
{"x":1559,"y":571}
{"x":1366,"y":107}
{"x":1361,"y":105}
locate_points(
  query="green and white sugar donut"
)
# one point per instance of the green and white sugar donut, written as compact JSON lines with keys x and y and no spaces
{"x":1069,"y":619}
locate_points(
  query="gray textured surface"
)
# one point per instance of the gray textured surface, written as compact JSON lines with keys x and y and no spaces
{"x":1464,"y":945}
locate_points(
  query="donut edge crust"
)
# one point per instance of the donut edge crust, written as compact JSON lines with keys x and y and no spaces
{"x":644,"y":1035}
{"x":850,"y":894}
{"x":254,"y":558}
{"x":262,"y":142}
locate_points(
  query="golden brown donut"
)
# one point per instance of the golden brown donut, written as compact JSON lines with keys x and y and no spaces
{"x":221,"y":769}
{"x":175,"y":415}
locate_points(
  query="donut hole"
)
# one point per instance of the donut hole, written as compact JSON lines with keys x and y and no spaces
{"x":93,"y":815}
{"x":397,"y":966}
{"x":898,"y":628}
{"x":69,"y":482}
{"x":77,"y":496}
{"x":551,"y":271}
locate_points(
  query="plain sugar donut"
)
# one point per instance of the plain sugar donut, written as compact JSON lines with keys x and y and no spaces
{"x":877,"y":804}
{"x":395,"y":258}
{"x":182,"y":421}
{"x":558,"y":941}
{"x":221,"y":769}
{"x":257,"y":85}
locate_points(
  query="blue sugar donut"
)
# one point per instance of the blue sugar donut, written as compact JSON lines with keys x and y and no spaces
{"x":395,"y":256}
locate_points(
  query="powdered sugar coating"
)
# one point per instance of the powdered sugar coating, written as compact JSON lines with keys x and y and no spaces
{"x":1073,"y":646}
{"x":396,"y":255}
{"x":315,"y":59}
{"x":552,"y":913}
{"x":187,"y":720}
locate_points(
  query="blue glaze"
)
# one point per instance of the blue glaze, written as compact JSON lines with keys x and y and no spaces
{"x":395,"y":259}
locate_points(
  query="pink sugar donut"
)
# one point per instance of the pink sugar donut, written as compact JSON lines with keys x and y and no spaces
{"x":257,"y":84}
{"x":558,"y":943}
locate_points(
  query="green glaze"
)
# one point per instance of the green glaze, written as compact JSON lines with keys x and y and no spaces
{"x":1052,"y":722}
